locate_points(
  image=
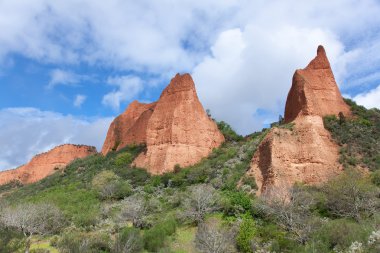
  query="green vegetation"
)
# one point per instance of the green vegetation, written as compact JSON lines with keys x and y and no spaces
{"x":103,"y":204}
{"x":359,"y":137}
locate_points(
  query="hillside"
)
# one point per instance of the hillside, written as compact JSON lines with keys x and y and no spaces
{"x":102,"y":204}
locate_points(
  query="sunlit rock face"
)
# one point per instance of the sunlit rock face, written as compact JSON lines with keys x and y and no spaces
{"x":45,"y":164}
{"x":176,"y":129}
{"x":304,"y":150}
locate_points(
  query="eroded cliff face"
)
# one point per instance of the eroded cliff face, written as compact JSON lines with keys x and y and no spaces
{"x":179,"y":130}
{"x":129,"y":127}
{"x":45,"y":164}
{"x":306,"y":154}
{"x":175,"y":129}
{"x":314,"y":91}
{"x":304,"y":150}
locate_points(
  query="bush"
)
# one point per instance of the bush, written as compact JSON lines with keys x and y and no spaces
{"x":154,"y":238}
{"x":77,"y":242}
{"x":236,"y":202}
{"x":245,"y":234}
{"x":375,"y":178}
{"x":128,"y":240}
{"x":351,"y":195}
{"x":359,"y":137}
{"x":123,"y":159}
{"x":339,"y":234}
{"x":104,"y":178}
{"x":228,"y":132}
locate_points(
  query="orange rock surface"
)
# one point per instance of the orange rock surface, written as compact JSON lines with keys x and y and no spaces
{"x":129,"y":127}
{"x":45,"y":164}
{"x":306,"y":153}
{"x":179,"y":130}
{"x":314,"y":91}
{"x":176,"y":129}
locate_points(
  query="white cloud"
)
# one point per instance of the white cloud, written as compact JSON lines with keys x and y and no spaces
{"x":250,"y":70}
{"x":127,"y":87}
{"x":242,"y":53}
{"x":79,"y":100}
{"x":370,"y":99}
{"x":29,"y":131}
{"x":62,"y":77}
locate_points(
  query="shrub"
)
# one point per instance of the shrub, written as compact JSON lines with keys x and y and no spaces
{"x":339,"y":234}
{"x":104,"y":178}
{"x":212,"y":237}
{"x":128,"y":240}
{"x":154,"y":238}
{"x":375,"y":178}
{"x":359,"y":136}
{"x":351,"y":195}
{"x":136,"y":176}
{"x":77,"y":242}
{"x":228,"y":132}
{"x":236,"y":202}
{"x":123,"y":159}
{"x":201,"y":200}
{"x":246,"y":180}
{"x":245,"y":234}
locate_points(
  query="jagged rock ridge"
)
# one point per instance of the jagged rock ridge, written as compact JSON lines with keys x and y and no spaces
{"x":304,"y":151}
{"x":45,"y":164}
{"x":176,"y":129}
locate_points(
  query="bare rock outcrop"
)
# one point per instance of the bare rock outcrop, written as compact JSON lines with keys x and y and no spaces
{"x":175,"y":129}
{"x":129,"y":127}
{"x":45,"y":164}
{"x":179,"y":130}
{"x":314,"y":91}
{"x":303,"y":150}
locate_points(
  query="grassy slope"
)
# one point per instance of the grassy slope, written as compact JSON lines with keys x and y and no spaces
{"x":72,"y":192}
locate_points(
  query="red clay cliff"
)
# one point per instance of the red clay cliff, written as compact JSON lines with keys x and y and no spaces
{"x":304,"y":150}
{"x":129,"y":127}
{"x":175,"y":129}
{"x":45,"y":164}
{"x":314,"y":91}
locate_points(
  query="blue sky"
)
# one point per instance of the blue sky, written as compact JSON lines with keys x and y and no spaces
{"x":68,"y":67}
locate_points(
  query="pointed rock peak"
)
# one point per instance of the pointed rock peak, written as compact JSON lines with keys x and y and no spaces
{"x":314,"y":91}
{"x":320,"y":61}
{"x":180,"y":83}
{"x":321,"y":50}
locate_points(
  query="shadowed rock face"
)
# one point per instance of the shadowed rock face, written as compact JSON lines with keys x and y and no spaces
{"x":129,"y":127}
{"x":314,"y":91}
{"x":175,"y":129}
{"x":179,"y":130}
{"x":45,"y":164}
{"x":306,"y":153}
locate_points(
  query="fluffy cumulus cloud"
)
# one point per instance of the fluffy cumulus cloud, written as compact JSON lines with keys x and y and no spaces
{"x":28,"y":131}
{"x":370,"y":99}
{"x":246,"y":79}
{"x":242,"y":53}
{"x":127,"y":87}
{"x":139,"y":35}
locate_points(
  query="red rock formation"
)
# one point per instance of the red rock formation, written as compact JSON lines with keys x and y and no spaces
{"x":314,"y":91}
{"x":176,"y":129}
{"x":124,"y":131}
{"x":45,"y":164}
{"x":306,"y":153}
{"x":179,"y":130}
